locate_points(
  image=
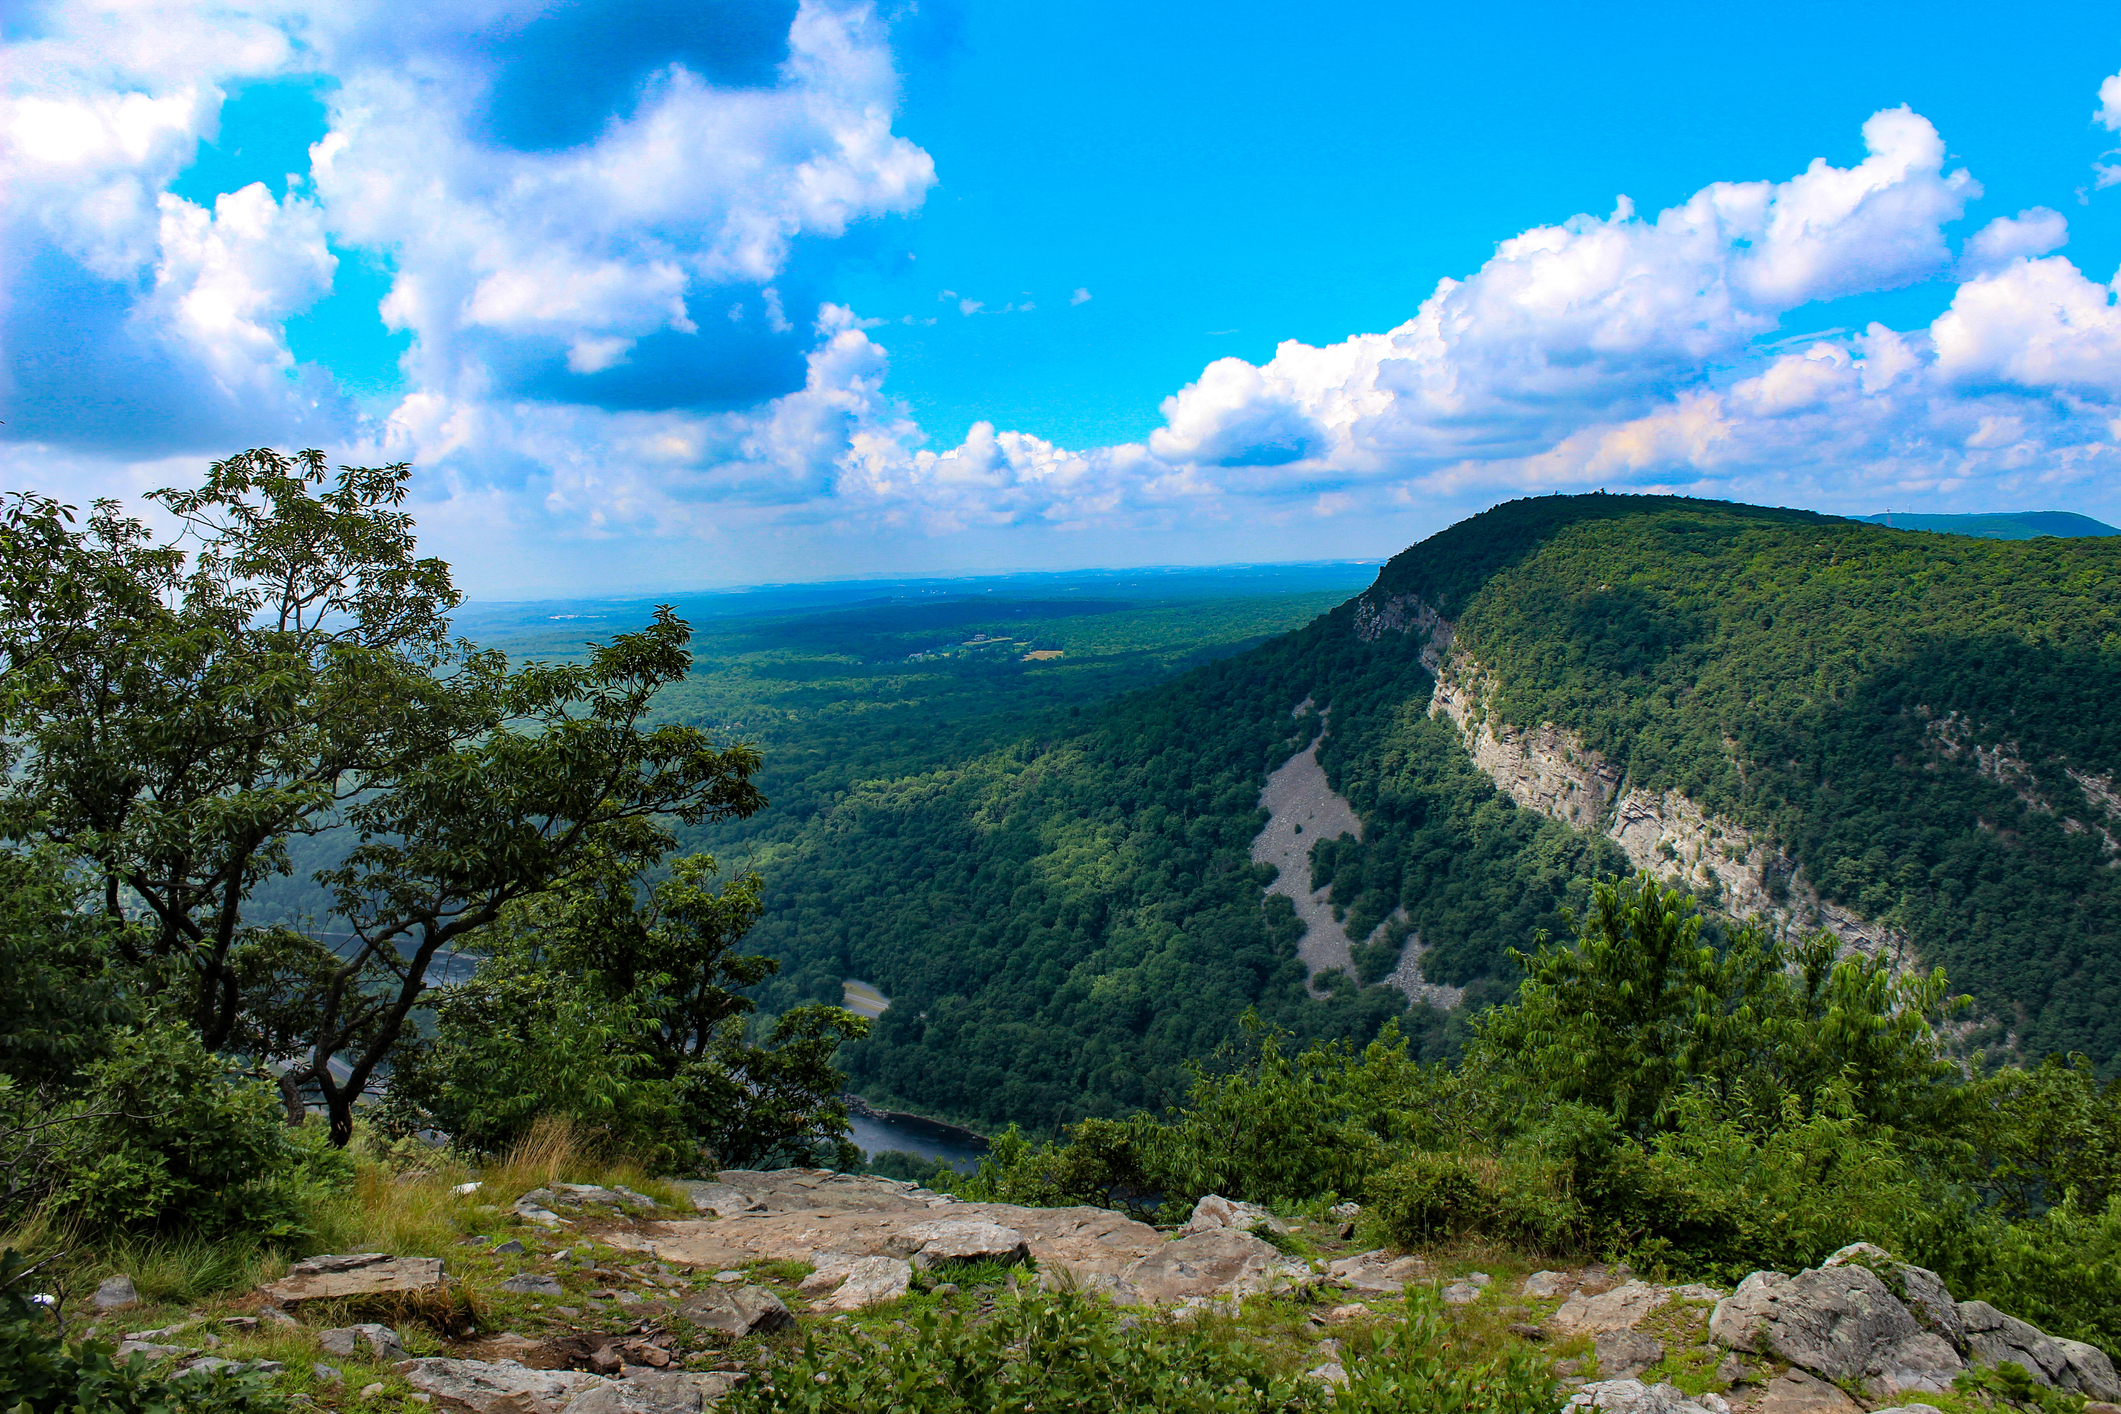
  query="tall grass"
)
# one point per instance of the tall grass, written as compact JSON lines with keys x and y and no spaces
{"x":399,"y":1199}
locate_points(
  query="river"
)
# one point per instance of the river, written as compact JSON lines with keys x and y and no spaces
{"x":911,"y":1134}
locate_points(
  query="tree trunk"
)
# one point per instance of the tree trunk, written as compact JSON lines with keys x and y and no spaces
{"x":291,"y":1096}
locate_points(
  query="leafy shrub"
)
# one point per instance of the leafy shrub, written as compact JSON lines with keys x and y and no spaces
{"x":165,"y":1135}
{"x":1111,"y":1163}
{"x":1042,"y":1354}
{"x":1724,"y":1196}
{"x":1426,"y":1197}
{"x":41,"y":1373}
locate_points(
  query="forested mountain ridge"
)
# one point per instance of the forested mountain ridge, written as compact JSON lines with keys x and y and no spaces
{"x":1905,"y":737}
{"x":1915,"y":727}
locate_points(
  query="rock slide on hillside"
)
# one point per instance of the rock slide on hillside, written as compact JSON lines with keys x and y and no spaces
{"x":1302,"y":809}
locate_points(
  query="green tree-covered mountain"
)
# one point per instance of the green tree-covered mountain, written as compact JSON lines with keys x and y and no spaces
{"x":1909,"y":730}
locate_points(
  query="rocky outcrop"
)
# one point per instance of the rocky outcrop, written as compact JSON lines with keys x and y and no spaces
{"x":805,"y":1213}
{"x":1404,"y":613}
{"x":1218,"y":1263}
{"x":1215,"y":1211}
{"x":1634,"y":1397}
{"x":1549,"y":769}
{"x":1865,"y":1317}
{"x":1841,"y":1323}
{"x":354,"y":1274}
{"x":943,"y":1242}
{"x":737,"y":1310}
{"x":496,"y":1387}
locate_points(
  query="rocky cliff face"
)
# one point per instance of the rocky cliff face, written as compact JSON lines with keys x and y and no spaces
{"x":1549,"y":769}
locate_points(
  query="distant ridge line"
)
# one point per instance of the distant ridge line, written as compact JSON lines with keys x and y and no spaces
{"x":2000,"y":525}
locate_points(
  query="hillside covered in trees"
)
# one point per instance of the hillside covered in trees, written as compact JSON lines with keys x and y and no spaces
{"x":1922,"y":722}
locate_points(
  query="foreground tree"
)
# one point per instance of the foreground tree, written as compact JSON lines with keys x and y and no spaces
{"x":176,"y":712}
{"x":616,"y":1006}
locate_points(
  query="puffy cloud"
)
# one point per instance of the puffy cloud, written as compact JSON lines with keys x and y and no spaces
{"x":1589,"y":319}
{"x":612,"y":203}
{"x":2037,"y":325}
{"x":620,"y":332}
{"x":2109,"y":114}
{"x":2009,"y":238}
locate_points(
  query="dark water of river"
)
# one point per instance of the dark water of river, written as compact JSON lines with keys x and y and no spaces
{"x":910,"y":1134}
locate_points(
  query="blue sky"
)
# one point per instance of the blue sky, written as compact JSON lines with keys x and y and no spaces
{"x":683,"y":294}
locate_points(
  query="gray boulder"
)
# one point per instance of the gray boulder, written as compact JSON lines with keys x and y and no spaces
{"x":154,"y":1352}
{"x":947,"y":1241}
{"x":1994,"y":1338}
{"x":736,"y":1311}
{"x":496,"y":1387}
{"x":1622,"y":1355}
{"x":1634,"y":1397}
{"x":346,"y":1341}
{"x":1377,"y":1273}
{"x":115,"y":1292}
{"x":1544,"y":1286}
{"x":1220,"y":1262}
{"x":1921,"y":1290}
{"x":867,"y":1281}
{"x":532,"y":1284}
{"x":1216,"y":1211}
{"x":1841,"y":1323}
{"x":657,"y":1393}
{"x":1619,"y":1309}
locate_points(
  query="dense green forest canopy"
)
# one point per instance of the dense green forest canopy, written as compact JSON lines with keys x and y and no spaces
{"x":1925,"y":723}
{"x":1069,"y":915}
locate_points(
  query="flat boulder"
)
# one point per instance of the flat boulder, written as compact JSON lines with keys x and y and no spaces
{"x":869,"y":1281}
{"x":496,"y":1387}
{"x":354,"y":1274}
{"x":1796,"y":1391}
{"x":951,"y":1241}
{"x":736,"y":1310}
{"x":1377,"y":1273}
{"x":1620,"y":1309}
{"x":1622,"y":1355}
{"x":1220,"y":1262}
{"x":1635,"y":1397}
{"x":657,"y":1393}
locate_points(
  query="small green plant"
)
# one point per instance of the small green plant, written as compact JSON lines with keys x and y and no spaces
{"x":43,"y":1373}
